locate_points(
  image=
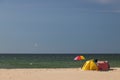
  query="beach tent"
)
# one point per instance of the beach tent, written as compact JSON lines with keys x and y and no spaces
{"x":78,"y":58}
{"x":90,"y":65}
{"x":103,"y":65}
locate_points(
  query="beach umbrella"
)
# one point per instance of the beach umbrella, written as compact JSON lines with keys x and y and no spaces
{"x":78,"y":58}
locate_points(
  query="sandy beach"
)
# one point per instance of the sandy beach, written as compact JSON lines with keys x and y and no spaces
{"x":58,"y":74}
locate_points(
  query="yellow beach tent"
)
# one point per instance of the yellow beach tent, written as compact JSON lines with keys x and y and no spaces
{"x":90,"y":65}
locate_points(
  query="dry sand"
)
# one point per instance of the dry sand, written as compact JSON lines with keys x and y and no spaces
{"x":58,"y":74}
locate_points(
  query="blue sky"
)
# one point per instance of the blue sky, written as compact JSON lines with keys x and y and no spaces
{"x":59,"y":26}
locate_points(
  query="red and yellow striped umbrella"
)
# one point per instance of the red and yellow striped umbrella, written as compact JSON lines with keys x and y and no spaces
{"x":78,"y":58}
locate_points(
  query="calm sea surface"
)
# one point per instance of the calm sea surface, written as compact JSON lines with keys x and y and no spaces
{"x":53,"y":60}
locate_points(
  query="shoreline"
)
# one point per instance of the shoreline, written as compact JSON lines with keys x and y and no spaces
{"x":55,"y":68}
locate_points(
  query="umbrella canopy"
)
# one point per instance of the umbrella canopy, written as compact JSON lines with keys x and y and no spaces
{"x":77,"y":58}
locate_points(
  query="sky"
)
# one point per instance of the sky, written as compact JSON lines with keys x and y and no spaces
{"x":59,"y":26}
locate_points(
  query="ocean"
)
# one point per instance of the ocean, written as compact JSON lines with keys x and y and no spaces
{"x":53,"y":60}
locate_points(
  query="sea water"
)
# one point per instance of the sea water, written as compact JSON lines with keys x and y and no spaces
{"x":53,"y":60}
